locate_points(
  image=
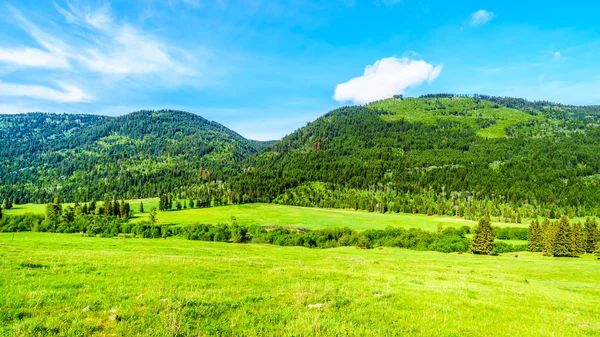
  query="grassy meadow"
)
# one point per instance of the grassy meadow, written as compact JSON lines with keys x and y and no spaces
{"x":288,"y":216}
{"x":69,"y":285}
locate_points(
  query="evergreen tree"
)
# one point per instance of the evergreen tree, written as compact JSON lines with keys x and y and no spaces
{"x":590,"y":235}
{"x":483,"y":240}
{"x":0,"y":211}
{"x":535,"y":238}
{"x":141,"y":207}
{"x":92,"y":208}
{"x":548,"y":235}
{"x":563,"y":243}
{"x":116,"y":208}
{"x":153,"y":215}
{"x":178,"y":205}
{"x":53,"y":211}
{"x":191,"y":203}
{"x":108,"y":208}
{"x":7,"y":204}
{"x":578,"y":245}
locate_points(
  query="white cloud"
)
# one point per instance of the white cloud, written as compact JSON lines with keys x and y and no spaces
{"x":481,"y":17}
{"x":385,"y":78}
{"x":69,"y":93}
{"x":31,"y":57}
{"x":107,"y":47}
{"x":557,"y":56}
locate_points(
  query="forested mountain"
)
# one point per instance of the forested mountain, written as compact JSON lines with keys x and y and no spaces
{"x":440,"y":154}
{"x":437,"y":154}
{"x":142,"y":154}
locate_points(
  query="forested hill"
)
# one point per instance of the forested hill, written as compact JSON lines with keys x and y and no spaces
{"x":440,"y":154}
{"x":84,"y":157}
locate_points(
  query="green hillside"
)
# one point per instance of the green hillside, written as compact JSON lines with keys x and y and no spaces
{"x":82,"y":157}
{"x":489,"y":118}
{"x":441,"y":154}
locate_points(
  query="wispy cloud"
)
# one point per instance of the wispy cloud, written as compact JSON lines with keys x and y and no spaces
{"x":32,"y":57}
{"x":385,"y":78}
{"x":481,"y":17}
{"x":558,"y":56}
{"x":66,"y":93}
{"x":96,"y":45}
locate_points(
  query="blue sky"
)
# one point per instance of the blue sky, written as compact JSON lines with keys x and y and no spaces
{"x":265,"y":68}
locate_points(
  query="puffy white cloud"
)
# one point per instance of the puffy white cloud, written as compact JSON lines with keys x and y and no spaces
{"x":385,"y":78}
{"x":481,"y":17}
{"x":69,"y":93}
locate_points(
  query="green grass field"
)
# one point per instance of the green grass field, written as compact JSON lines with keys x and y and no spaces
{"x":280,"y":215}
{"x":429,"y":111}
{"x":155,"y":287}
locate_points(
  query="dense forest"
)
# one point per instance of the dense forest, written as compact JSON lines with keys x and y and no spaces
{"x":142,"y":154}
{"x":443,"y":154}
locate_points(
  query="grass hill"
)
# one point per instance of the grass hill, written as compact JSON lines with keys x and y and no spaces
{"x":136,"y":155}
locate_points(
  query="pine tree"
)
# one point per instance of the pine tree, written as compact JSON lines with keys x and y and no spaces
{"x":483,"y":241}
{"x":141,"y":207}
{"x":122,"y":210}
{"x":548,"y":235}
{"x":578,"y":244}
{"x":590,"y":235}
{"x":116,"y":208}
{"x":191,"y":203}
{"x":535,"y":238}
{"x":153,"y":215}
{"x":178,"y":205}
{"x":563,"y":244}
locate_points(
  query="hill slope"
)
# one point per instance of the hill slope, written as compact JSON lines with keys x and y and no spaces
{"x":81,"y":157}
{"x":436,"y":155}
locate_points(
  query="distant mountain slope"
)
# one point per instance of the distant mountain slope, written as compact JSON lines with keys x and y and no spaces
{"x":140,"y":154}
{"x":432,"y":154}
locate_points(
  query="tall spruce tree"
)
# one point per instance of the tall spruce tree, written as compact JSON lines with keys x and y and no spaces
{"x":548,"y":235}
{"x":563,"y":242}
{"x":590,"y":235}
{"x":535,"y":239}
{"x":141,"y":207}
{"x":483,"y":240}
{"x":578,"y":245}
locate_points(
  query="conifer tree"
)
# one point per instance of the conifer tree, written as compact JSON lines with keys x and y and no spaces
{"x":548,"y":235}
{"x":141,"y":207}
{"x":563,"y":243}
{"x":178,"y":205}
{"x":535,"y":238}
{"x":153,"y":215}
{"x":578,"y":245}
{"x":0,"y":211}
{"x":590,"y":235}
{"x":483,"y":241}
